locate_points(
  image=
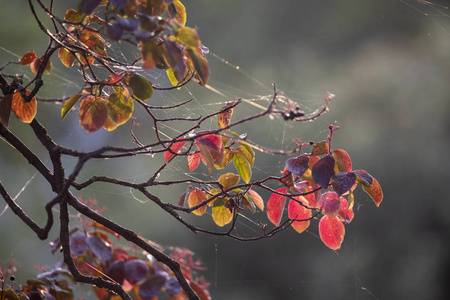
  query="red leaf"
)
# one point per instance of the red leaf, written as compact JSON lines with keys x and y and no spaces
{"x":28,"y":58}
{"x":345,"y":213}
{"x":174,"y":148}
{"x":331,"y":231}
{"x":299,"y":212}
{"x":375,"y":192}
{"x":275,"y":206}
{"x":212,"y":141}
{"x":330,"y":203}
{"x":193,"y":161}
{"x":343,"y":161}
{"x":305,"y":187}
{"x":323,"y":170}
{"x":298,"y":165}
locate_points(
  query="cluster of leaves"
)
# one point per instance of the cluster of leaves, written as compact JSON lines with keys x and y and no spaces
{"x":157,"y":28}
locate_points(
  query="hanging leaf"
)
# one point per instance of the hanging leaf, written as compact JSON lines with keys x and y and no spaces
{"x":299,"y":212}
{"x":100,"y":248}
{"x":136,"y":270}
{"x":275,"y":206}
{"x":149,"y":52}
{"x":69,"y":104}
{"x":181,"y":12}
{"x":153,"y":285}
{"x":345,"y":213}
{"x":189,"y":37}
{"x":229,"y":180}
{"x":298,"y":165}
{"x":66,"y":57}
{"x":212,"y":141}
{"x":375,"y":192}
{"x":93,"y":113}
{"x":142,"y":88}
{"x":243,"y":166}
{"x":24,"y":111}
{"x":206,"y":156}
{"x":257,"y":199}
{"x":247,"y":152}
{"x":331,"y":232}
{"x":195,"y":198}
{"x":320,"y":148}
{"x":78,"y":243}
{"x":172,"y":78}
{"x":116,"y":271}
{"x":323,"y":170}
{"x":224,"y":118}
{"x":308,"y":174}
{"x":175,"y":59}
{"x":27,"y":58}
{"x":36,"y":65}
{"x":200,"y":65}
{"x":343,"y":161}
{"x":174,"y":148}
{"x":119,"y":110}
{"x":329,"y":203}
{"x":5,"y":109}
{"x":193,"y":161}
{"x":221,"y":214}
{"x":342,"y":182}
{"x":363,"y":177}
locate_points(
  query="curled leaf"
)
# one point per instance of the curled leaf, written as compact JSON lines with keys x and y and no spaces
{"x":200,"y":65}
{"x":69,"y":104}
{"x":375,"y":192}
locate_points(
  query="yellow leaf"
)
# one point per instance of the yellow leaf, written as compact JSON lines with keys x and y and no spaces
{"x":221,"y":215}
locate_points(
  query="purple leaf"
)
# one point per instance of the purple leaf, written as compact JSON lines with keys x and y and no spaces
{"x":173,"y":287}
{"x":78,"y":243}
{"x":298,"y":165}
{"x":153,"y":285}
{"x":363,"y":177}
{"x":135,"y":270}
{"x":323,"y":170}
{"x":118,"y":3}
{"x":343,"y":181}
{"x":100,"y":248}
{"x":114,"y":31}
{"x":129,"y":24}
{"x":88,"y":6}
{"x":116,"y":271}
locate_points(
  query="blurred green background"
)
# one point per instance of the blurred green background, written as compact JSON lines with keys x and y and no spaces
{"x":388,"y":64}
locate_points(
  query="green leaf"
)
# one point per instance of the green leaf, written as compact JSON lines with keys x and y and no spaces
{"x":229,"y":180}
{"x":119,"y":109}
{"x":66,"y":57}
{"x":189,"y":36}
{"x":93,"y":113}
{"x":243,"y":166}
{"x":200,"y":65}
{"x":142,"y":88}
{"x":69,"y":104}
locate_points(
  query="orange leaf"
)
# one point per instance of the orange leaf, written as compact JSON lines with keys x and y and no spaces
{"x":343,"y":161}
{"x":296,"y":211}
{"x":225,"y":116}
{"x":66,"y":57}
{"x":259,"y":202}
{"x":36,"y":65}
{"x":193,"y":161}
{"x":174,"y":148}
{"x":331,"y":232}
{"x":93,"y":113}
{"x":275,"y":206}
{"x":320,"y":148}
{"x":27,"y":58}
{"x":195,"y":198}
{"x":375,"y":192}
{"x":24,"y":111}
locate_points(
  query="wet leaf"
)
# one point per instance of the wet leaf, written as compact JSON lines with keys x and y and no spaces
{"x":24,"y":111}
{"x":189,"y":37}
{"x":243,"y":166}
{"x":221,"y":214}
{"x":193,"y":161}
{"x":275,"y":206}
{"x":69,"y":104}
{"x":93,"y":113}
{"x":66,"y":57}
{"x":363,"y":177}
{"x":28,"y":58}
{"x":136,"y":270}
{"x":200,"y":65}
{"x":229,"y":180}
{"x":5,"y":109}
{"x":330,"y":203}
{"x":257,"y":199}
{"x":320,"y":148}
{"x":323,"y":170}
{"x":174,"y":148}
{"x":375,"y":192}
{"x":343,"y":161}
{"x":100,"y":248}
{"x":331,"y":232}
{"x":78,"y":243}
{"x":299,"y":212}
{"x":342,"y":182}
{"x":195,"y":198}
{"x":142,"y":88}
{"x":298,"y":165}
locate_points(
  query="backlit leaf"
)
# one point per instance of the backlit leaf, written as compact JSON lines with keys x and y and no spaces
{"x":200,"y":65}
{"x":229,"y":180}
{"x":174,"y":148}
{"x":73,"y":16}
{"x":149,"y":53}
{"x":248,"y":152}
{"x":24,"y":111}
{"x":343,"y":161}
{"x":206,"y":156}
{"x":119,"y":109}
{"x":345,"y":213}
{"x":189,"y":36}
{"x":299,"y":212}
{"x":181,"y":12}
{"x":69,"y":104}
{"x":93,"y":113}
{"x":28,"y":58}
{"x":330,"y":204}
{"x":307,"y":187}
{"x":193,"y":161}
{"x":136,"y":270}
{"x":243,"y":166}
{"x":225,"y":116}
{"x":221,"y":215}
{"x":172,"y":78}
{"x":174,"y":57}
{"x":66,"y":57}
{"x":363,"y":177}
{"x":257,"y":199}
{"x":320,"y":148}
{"x":331,"y":232}
{"x":312,"y":161}
{"x":275,"y":206}
{"x":212,"y":141}
{"x":342,"y":182}
{"x":36,"y":65}
{"x":298,"y":165}
{"x":195,"y":198}
{"x":323,"y":170}
{"x":100,"y":248}
{"x":142,"y":88}
{"x":375,"y":192}
{"x":5,"y":109}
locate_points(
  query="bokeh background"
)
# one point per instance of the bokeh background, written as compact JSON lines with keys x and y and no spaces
{"x":388,"y":64}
